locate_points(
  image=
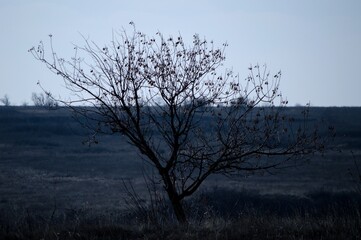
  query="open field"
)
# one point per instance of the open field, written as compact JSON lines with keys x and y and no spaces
{"x":49,"y":175}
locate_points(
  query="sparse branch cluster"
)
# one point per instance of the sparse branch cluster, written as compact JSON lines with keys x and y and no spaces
{"x":186,"y":118}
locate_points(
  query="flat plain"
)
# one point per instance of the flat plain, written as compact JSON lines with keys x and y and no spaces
{"x":47,"y":165}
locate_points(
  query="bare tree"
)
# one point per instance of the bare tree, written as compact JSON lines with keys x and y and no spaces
{"x":170,"y":101}
{"x":5,"y":100}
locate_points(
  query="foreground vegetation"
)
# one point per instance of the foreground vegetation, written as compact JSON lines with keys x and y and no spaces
{"x":219,"y":214}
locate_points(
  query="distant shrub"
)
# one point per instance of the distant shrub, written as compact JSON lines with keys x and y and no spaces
{"x":43,"y":100}
{"x":5,"y":100}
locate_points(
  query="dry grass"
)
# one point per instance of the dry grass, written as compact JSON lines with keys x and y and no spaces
{"x":247,"y":227}
{"x":322,"y":216}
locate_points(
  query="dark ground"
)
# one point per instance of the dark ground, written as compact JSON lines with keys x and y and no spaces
{"x":45,"y":167}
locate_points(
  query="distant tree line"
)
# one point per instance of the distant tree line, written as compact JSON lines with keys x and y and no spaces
{"x":38,"y":99}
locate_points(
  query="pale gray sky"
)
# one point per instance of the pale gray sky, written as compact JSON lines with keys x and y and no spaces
{"x":316,"y":43}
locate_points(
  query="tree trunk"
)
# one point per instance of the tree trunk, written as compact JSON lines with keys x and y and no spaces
{"x":177,"y":207}
{"x":174,"y":198}
{"x":175,"y":201}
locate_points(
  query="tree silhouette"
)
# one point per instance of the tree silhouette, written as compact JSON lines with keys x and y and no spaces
{"x":5,"y":100}
{"x":185,"y":118}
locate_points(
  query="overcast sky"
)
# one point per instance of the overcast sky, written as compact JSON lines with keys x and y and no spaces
{"x":316,"y":43}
